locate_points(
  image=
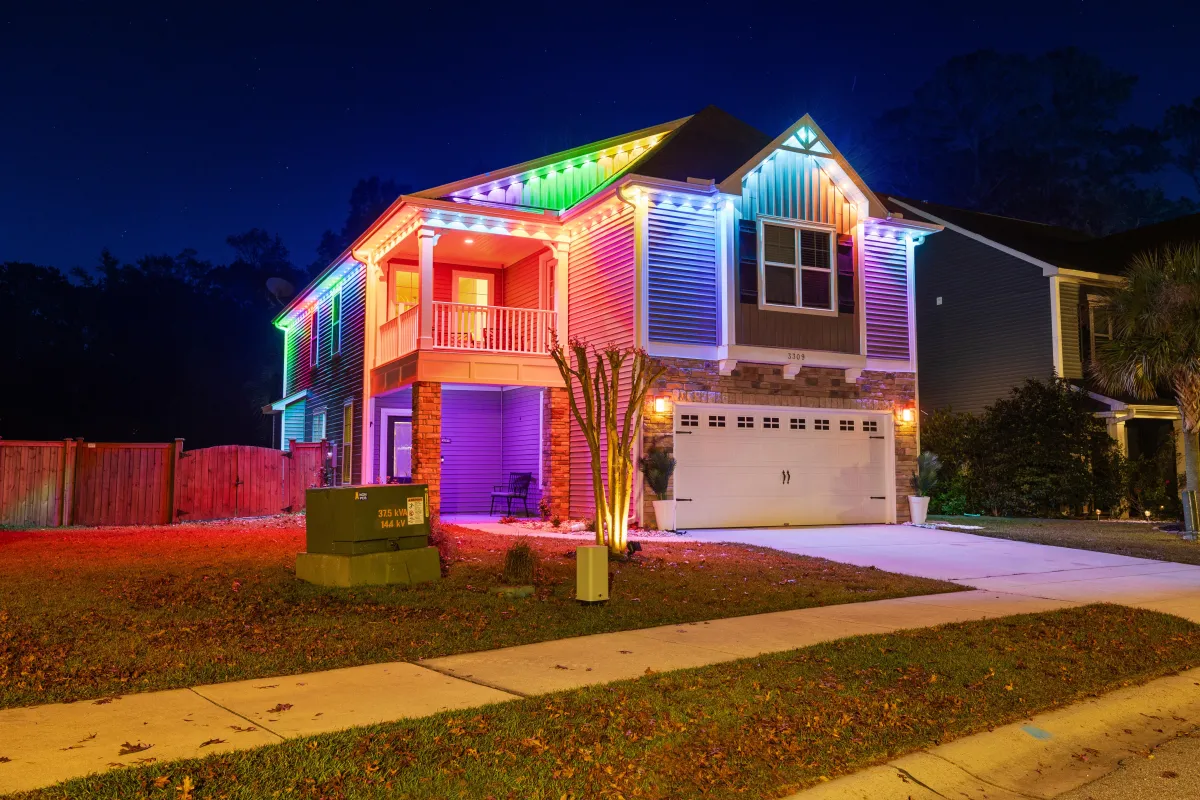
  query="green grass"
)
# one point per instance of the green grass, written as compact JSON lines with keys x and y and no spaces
{"x":1136,"y":539}
{"x":759,"y":727}
{"x":88,"y":613}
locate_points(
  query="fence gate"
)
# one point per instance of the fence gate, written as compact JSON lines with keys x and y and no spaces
{"x":230,"y":481}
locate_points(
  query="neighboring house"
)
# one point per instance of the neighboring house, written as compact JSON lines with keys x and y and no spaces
{"x":760,"y":270}
{"x":1001,"y":300}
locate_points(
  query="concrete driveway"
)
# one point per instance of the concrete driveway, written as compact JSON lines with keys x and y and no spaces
{"x":998,"y":565}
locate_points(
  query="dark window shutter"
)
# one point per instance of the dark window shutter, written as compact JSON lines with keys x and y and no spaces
{"x":845,"y":275}
{"x":748,"y":261}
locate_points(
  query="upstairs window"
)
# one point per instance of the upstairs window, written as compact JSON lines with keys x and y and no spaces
{"x":796,"y":268}
{"x":1099,"y":323}
{"x":314,"y":337}
{"x":335,"y":324}
{"x":407,"y":290}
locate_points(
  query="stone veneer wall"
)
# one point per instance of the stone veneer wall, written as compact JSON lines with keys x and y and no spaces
{"x":763,"y":384}
{"x":427,"y":440}
{"x":556,"y":452}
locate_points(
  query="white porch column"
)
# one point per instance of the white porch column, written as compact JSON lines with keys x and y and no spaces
{"x":559,"y":268}
{"x":426,"y":239}
{"x":1180,"y":450}
{"x":1116,"y":429}
{"x":374,"y":288}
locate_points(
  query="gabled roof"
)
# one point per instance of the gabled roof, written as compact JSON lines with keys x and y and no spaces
{"x":1060,"y":247}
{"x":1113,"y":253}
{"x":711,"y":144}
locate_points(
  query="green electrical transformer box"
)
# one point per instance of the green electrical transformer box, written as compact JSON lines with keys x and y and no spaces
{"x":362,"y":535}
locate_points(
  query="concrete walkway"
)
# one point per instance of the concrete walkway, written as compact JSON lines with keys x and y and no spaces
{"x":51,"y":743}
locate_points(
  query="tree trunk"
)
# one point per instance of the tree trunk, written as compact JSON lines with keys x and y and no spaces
{"x":1190,"y":454}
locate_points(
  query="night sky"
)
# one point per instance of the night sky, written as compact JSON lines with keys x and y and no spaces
{"x":154,"y":127}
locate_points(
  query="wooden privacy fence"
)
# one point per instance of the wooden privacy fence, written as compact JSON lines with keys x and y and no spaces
{"x":48,"y":484}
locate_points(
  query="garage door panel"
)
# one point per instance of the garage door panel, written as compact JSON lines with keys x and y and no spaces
{"x":819,"y":467}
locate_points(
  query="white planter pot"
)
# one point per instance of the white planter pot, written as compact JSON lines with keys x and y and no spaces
{"x":664,"y":514}
{"x":918,"y":508}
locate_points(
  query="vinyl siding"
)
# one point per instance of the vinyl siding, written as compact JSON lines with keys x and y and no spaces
{"x":296,"y":357}
{"x":992,"y":330}
{"x":756,"y":326}
{"x":521,"y":282}
{"x":601,"y":277}
{"x":522,"y":438}
{"x":294,"y":419}
{"x":792,"y":185}
{"x":443,"y":281}
{"x":682,"y":274}
{"x":885,"y":279}
{"x":1068,"y":307}
{"x":472,"y":443}
{"x":334,"y":380}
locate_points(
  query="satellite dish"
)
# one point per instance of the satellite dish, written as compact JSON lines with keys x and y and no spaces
{"x":280,"y":289}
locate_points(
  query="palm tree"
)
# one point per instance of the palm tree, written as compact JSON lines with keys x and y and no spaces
{"x":1156,"y":341}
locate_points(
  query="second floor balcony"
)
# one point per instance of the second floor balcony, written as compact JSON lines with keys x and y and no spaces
{"x":469,"y":327}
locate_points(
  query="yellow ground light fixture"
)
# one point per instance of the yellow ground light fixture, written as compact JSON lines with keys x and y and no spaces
{"x":591,"y":573}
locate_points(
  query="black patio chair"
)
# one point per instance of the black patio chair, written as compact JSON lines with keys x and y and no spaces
{"x":517,"y":489}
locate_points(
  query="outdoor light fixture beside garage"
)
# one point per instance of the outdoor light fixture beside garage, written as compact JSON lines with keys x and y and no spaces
{"x":907,"y":415}
{"x":660,"y":405}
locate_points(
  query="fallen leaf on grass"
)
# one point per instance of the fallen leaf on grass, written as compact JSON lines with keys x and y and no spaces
{"x":211,"y":742}
{"x":279,"y":709}
{"x":161,"y":782}
{"x":186,"y":788}
{"x":129,"y":748}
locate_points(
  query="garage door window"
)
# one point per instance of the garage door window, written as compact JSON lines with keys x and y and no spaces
{"x":797,"y":424}
{"x":770,"y":422}
{"x":870,"y":426}
{"x":745,"y":422}
{"x":820,"y":424}
{"x":690,"y":420}
{"x":716,"y":421}
{"x":846,"y":424}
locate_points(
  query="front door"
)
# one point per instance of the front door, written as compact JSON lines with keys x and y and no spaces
{"x":400,"y":449}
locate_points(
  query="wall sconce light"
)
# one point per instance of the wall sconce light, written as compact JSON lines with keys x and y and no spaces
{"x":660,"y":405}
{"x":907,"y":415}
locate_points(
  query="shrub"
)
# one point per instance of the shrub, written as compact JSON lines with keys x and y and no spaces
{"x":556,"y":520}
{"x":925,"y":479}
{"x":544,"y":509}
{"x":440,"y":538}
{"x":657,"y":466}
{"x":520,"y":563}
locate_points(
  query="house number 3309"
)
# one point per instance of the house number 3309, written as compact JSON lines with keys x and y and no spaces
{"x":795,"y":356}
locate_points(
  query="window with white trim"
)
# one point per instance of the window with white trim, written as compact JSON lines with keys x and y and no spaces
{"x":820,"y":424}
{"x":871,"y":426}
{"x":335,"y":324}
{"x":770,"y":422}
{"x":318,"y":427}
{"x":745,"y":422}
{"x":796,"y":267}
{"x":846,"y":424}
{"x":407,"y":290}
{"x":1099,"y":323}
{"x":314,"y":337}
{"x":716,"y":420}
{"x":689,"y":420}
{"x":797,"y":423}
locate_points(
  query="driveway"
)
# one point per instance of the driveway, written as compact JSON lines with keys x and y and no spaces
{"x":999,"y":565}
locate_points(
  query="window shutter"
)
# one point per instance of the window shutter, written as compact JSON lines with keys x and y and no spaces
{"x":845,"y":275}
{"x":748,"y":261}
{"x":348,"y":442}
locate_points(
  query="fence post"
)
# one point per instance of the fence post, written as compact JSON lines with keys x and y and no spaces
{"x":176,"y":453}
{"x":66,"y":483}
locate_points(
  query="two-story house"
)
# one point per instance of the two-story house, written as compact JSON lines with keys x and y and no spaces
{"x":1002,"y":300}
{"x":762,"y":271}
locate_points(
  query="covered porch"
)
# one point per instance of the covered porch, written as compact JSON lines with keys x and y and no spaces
{"x":466,"y":440}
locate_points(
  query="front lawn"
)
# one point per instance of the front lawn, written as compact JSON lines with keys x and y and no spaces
{"x":760,"y":727}
{"x":88,"y":613}
{"x":1136,"y":539}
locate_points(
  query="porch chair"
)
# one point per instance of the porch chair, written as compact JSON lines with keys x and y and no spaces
{"x":517,"y":489}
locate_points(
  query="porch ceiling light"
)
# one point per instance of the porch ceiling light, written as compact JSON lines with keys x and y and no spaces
{"x":469,"y":241}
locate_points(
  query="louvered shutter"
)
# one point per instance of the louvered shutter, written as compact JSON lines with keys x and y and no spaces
{"x":748,"y":261}
{"x":845,"y":275}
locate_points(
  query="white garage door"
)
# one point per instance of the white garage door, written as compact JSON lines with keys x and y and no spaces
{"x":759,"y":465}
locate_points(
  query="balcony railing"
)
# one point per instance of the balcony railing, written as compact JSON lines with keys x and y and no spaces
{"x":462,"y":326}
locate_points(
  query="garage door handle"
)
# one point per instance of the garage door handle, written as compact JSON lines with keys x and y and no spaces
{"x":683,"y":499}
{"x":875,"y":437}
{"x":873,"y":497}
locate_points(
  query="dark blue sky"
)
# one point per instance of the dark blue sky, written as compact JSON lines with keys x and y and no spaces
{"x":154,"y":127}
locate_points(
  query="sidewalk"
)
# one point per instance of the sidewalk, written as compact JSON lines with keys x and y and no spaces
{"x":51,"y":743}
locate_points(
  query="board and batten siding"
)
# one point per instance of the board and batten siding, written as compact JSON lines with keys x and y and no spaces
{"x":522,"y":438}
{"x":600,"y":273}
{"x":1068,"y":309}
{"x":682,"y":274}
{"x":992,"y":330}
{"x":793,"y":185}
{"x":885,"y":289}
{"x":334,"y":380}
